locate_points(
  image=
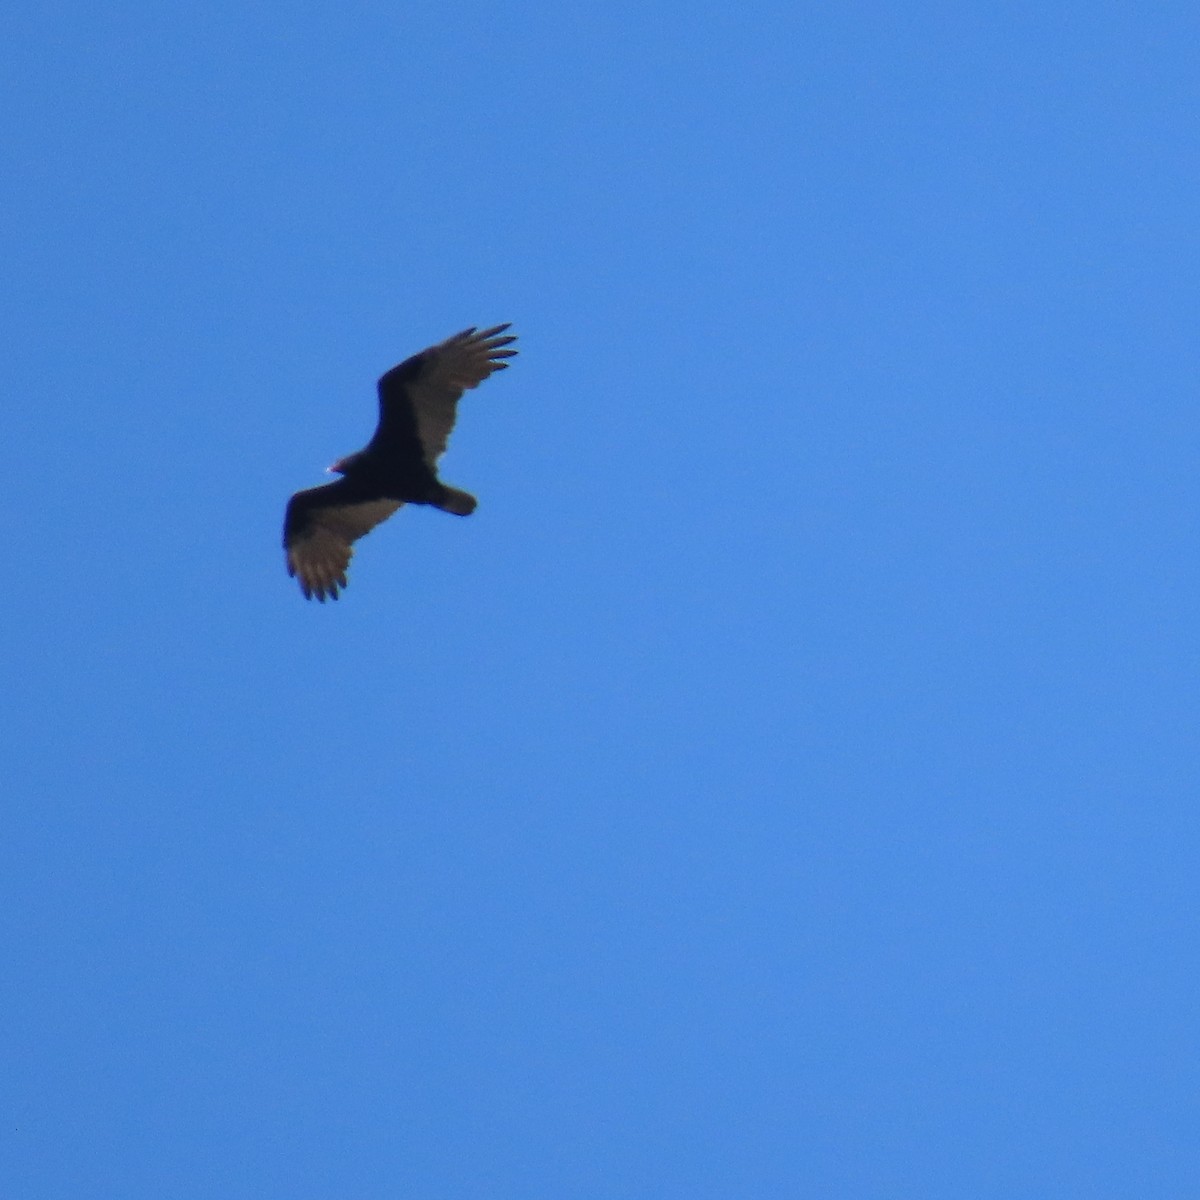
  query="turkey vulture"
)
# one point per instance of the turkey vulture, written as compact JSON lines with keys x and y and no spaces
{"x":417,"y":406}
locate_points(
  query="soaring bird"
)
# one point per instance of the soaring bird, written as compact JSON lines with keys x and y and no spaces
{"x":418,"y":403}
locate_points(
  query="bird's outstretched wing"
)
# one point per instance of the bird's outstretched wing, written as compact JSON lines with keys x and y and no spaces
{"x":318,"y":529}
{"x":424,"y":390}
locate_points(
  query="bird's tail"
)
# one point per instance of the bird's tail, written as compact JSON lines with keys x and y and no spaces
{"x":451,"y":500}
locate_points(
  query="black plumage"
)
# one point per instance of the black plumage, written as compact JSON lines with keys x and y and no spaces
{"x":418,"y":404}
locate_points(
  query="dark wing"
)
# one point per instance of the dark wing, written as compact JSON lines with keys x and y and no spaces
{"x":424,"y":390}
{"x":319,"y":527}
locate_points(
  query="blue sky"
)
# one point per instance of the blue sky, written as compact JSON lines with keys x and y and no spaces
{"x":784,"y":784}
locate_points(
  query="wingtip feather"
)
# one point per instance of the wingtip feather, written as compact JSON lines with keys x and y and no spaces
{"x":495,"y":329}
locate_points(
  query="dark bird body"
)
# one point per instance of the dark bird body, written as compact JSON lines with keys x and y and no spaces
{"x":418,"y":404}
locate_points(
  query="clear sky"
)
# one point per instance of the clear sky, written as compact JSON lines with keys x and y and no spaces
{"x":785,"y":784}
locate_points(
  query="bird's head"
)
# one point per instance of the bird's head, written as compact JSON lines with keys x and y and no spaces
{"x":344,"y":466}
